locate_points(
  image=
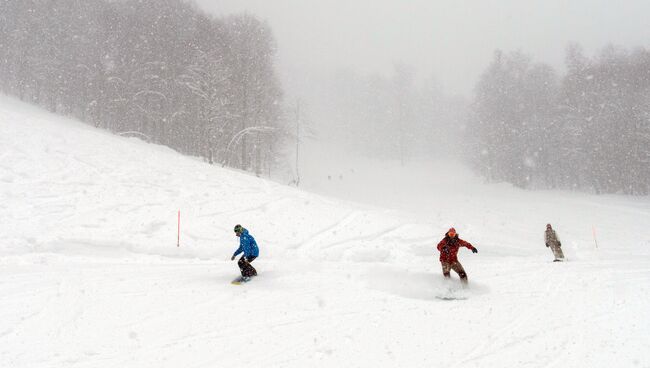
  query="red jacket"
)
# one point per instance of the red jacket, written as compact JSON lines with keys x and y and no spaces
{"x":448,"y":248}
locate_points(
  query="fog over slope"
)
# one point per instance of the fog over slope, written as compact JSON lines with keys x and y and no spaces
{"x":347,"y":137}
{"x":540,"y":95}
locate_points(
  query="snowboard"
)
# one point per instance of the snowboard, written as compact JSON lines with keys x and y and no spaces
{"x":453,"y":291}
{"x":241,"y":280}
{"x":447,"y":297}
{"x":451,"y":296}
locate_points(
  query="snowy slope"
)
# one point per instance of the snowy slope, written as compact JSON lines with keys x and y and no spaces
{"x":91,"y":275}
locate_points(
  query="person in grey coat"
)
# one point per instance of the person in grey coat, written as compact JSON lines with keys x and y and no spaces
{"x":552,"y":241}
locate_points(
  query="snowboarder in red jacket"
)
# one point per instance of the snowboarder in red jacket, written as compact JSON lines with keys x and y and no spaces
{"x":448,"y":248}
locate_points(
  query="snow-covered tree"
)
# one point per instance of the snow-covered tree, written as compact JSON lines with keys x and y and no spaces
{"x":160,"y":70}
{"x":588,"y":130}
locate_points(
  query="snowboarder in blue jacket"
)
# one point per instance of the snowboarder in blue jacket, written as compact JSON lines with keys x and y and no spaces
{"x":248,"y":246}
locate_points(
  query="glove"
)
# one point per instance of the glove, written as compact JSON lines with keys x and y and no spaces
{"x":559,"y":244}
{"x":474,"y":250}
{"x":547,"y":245}
{"x":445,"y":250}
{"x":232,"y":258}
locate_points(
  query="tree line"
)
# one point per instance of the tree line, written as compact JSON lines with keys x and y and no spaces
{"x":588,"y":129}
{"x":161,"y":70}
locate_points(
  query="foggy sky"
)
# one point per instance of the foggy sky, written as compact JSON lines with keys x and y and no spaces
{"x":451,"y":39}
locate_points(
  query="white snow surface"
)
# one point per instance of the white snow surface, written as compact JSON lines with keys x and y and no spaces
{"x":91,"y":275}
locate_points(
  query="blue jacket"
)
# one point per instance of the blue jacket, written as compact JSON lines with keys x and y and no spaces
{"x":247,"y":245}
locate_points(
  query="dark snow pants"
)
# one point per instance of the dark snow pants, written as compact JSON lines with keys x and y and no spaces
{"x":245,"y":267}
{"x":457,"y":267}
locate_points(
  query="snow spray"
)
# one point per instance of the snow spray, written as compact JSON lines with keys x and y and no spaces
{"x":593,"y":230}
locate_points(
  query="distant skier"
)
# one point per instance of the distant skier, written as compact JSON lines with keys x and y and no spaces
{"x":552,"y":241}
{"x":248,"y":246}
{"x":448,"y":248}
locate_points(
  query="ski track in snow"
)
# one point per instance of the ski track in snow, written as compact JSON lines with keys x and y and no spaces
{"x":90,"y":274}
